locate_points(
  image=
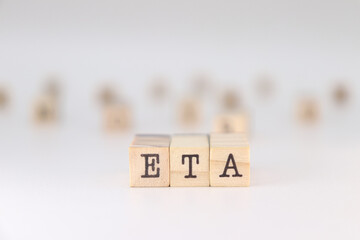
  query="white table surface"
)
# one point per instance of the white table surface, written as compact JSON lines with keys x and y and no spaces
{"x":73,"y":184}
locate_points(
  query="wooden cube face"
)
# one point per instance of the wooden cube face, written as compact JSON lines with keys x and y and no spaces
{"x":231,"y":122}
{"x":189,"y":160}
{"x":149,"y":161}
{"x":117,"y":117}
{"x":45,"y":110}
{"x":229,"y":160}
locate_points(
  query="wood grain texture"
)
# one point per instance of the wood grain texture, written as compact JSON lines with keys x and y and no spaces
{"x":149,"y":161}
{"x":231,"y":122}
{"x":186,"y":148}
{"x":229,"y":160}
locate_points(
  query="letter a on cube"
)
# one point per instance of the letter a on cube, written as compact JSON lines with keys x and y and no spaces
{"x":149,"y":161}
{"x":229,"y":160}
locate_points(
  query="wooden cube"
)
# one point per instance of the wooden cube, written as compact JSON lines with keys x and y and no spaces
{"x":231,"y":122}
{"x":117,"y":117}
{"x":308,"y":110}
{"x":340,"y":94}
{"x":45,"y":109}
{"x":149,"y":161}
{"x":4,"y":98}
{"x":229,"y":160}
{"x":107,"y":95}
{"x":189,"y":112}
{"x":159,"y":89}
{"x":52,"y":86}
{"x":231,"y":100}
{"x":189,"y":160}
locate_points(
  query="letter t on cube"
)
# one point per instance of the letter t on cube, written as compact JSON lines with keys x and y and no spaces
{"x":189,"y":160}
{"x":149,"y":161}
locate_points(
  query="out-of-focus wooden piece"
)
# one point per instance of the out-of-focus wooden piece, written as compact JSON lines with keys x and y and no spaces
{"x":107,"y":96}
{"x":52,"y":87}
{"x":158,"y":89}
{"x":189,"y":112}
{"x":340,"y":94}
{"x":230,"y":100}
{"x":45,"y":109}
{"x":308,"y":110}
{"x":189,"y":160}
{"x":117,"y":117}
{"x":4,"y":98}
{"x":229,"y":160}
{"x":149,"y":161}
{"x":231,"y":122}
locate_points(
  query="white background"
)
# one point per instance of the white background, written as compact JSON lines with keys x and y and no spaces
{"x":71,"y":181}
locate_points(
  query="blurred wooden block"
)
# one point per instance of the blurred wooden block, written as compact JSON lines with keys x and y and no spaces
{"x":189,"y":112}
{"x":4,"y":98}
{"x":340,"y":94}
{"x":117,"y":117}
{"x":308,"y":110}
{"x":189,"y":160}
{"x":231,"y":122}
{"x":159,"y":89}
{"x":229,"y":160}
{"x":45,"y":109}
{"x":149,"y":161}
{"x":52,"y":86}
{"x":107,"y":95}
{"x":231,"y":100}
